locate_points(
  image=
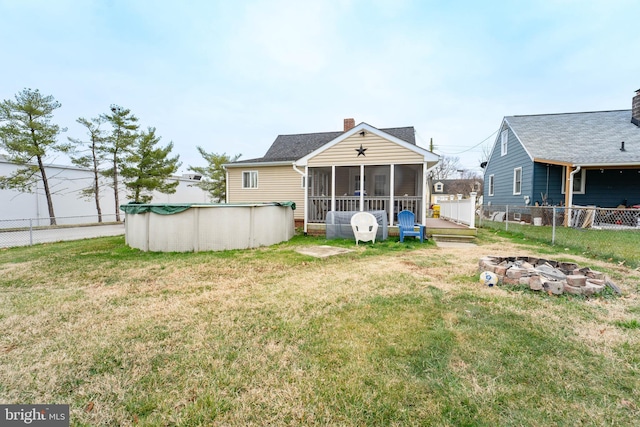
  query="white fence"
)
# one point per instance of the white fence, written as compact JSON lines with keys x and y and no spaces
{"x":462,"y":211}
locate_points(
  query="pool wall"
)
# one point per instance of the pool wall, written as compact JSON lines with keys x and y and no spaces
{"x":210,"y":228}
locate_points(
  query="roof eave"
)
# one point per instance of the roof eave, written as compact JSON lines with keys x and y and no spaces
{"x":240,"y":165}
{"x":366,"y":127}
{"x":589,"y":165}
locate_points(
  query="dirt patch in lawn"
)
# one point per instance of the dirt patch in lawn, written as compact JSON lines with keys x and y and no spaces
{"x":323,"y":251}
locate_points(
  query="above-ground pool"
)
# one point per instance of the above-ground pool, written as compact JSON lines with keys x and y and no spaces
{"x":187,"y":227}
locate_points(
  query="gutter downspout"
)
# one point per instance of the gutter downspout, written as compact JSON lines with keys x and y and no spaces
{"x":570,"y":198}
{"x":226,"y":186}
{"x":306,"y":193}
{"x":426,"y":190}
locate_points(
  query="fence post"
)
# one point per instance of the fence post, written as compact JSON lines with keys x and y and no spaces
{"x":553,"y":226}
{"x":30,"y":231}
{"x":473,"y":209}
{"x":506,"y":218}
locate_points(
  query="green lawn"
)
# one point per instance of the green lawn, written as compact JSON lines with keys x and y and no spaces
{"x":390,"y":334}
{"x":613,"y":245}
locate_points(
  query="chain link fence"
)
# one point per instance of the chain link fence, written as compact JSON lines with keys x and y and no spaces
{"x":30,"y":231}
{"x":603,"y":232}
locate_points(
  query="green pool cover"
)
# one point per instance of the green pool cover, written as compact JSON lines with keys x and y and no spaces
{"x":174,"y":208}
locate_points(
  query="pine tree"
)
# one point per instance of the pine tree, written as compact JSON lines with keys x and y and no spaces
{"x":147,"y":168}
{"x":123,"y":135}
{"x":92,"y":156}
{"x":28,"y":136}
{"x":214,"y":176}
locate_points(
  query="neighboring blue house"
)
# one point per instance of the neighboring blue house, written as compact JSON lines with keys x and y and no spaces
{"x":594,"y":154}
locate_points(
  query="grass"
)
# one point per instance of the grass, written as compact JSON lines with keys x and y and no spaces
{"x":612,"y":245}
{"x":390,"y":334}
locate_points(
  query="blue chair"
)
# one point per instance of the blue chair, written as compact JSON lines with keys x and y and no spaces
{"x":407,"y":226}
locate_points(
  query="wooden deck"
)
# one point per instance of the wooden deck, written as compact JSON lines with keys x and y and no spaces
{"x":443,"y":230}
{"x":444,"y":224}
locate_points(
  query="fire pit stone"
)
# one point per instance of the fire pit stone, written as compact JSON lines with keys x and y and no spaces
{"x":542,"y":274}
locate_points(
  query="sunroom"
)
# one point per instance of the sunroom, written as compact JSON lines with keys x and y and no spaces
{"x":366,"y":169}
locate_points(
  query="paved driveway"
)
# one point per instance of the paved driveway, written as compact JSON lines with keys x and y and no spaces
{"x":24,"y":238}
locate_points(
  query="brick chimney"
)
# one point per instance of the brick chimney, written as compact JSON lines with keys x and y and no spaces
{"x":635,"y":109}
{"x":351,"y":123}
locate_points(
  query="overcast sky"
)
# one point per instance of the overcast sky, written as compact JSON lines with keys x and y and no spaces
{"x":232,"y":75}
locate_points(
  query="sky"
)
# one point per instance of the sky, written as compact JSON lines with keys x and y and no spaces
{"x":230,"y":76}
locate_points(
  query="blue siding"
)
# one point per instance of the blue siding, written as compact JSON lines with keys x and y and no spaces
{"x":547,"y":181}
{"x":502,"y":168}
{"x":610,"y":188}
{"x":606,"y":189}
{"x":603,"y":188}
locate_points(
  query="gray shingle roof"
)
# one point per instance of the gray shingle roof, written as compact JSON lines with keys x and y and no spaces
{"x":592,"y":138}
{"x":294,"y":147}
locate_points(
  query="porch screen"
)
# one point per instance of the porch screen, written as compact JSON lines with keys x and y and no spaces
{"x":338,"y":224}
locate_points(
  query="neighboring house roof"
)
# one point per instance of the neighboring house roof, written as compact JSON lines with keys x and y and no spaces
{"x":590,"y":138}
{"x":293,"y":147}
{"x":455,"y":186}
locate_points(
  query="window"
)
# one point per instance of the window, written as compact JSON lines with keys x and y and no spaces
{"x":517,"y":181}
{"x":579,"y":181}
{"x":491,"y":183}
{"x":379,"y":185}
{"x":250,"y":179}
{"x":504,"y":140}
{"x":439,"y":187}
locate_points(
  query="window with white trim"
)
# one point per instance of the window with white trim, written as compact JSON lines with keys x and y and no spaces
{"x":579,"y":181}
{"x":250,"y":179}
{"x":517,"y":181}
{"x":504,"y":140}
{"x":439,"y":187}
{"x":491,"y":184}
{"x":310,"y":182}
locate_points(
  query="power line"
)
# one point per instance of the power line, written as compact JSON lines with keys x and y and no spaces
{"x":468,"y":149}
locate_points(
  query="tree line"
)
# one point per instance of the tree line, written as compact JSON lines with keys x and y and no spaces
{"x":114,"y":147}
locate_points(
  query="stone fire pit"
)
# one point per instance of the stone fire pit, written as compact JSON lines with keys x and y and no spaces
{"x":543,"y":274}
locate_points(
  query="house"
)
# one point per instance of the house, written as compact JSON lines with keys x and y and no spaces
{"x":361,"y":168}
{"x":445,"y":189}
{"x":590,"y":158}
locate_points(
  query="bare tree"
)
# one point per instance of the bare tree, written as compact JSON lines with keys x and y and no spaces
{"x":484,"y":155}
{"x":447,"y":168}
{"x":91,"y":157}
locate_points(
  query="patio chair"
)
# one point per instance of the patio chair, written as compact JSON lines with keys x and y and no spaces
{"x":407,"y":226}
{"x":365,"y":227}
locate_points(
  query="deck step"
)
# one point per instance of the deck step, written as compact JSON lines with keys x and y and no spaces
{"x":452,"y":238}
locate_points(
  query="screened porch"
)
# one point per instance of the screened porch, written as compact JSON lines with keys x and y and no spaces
{"x":389,"y":188}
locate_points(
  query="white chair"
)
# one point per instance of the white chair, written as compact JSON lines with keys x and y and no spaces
{"x":365,"y":227}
